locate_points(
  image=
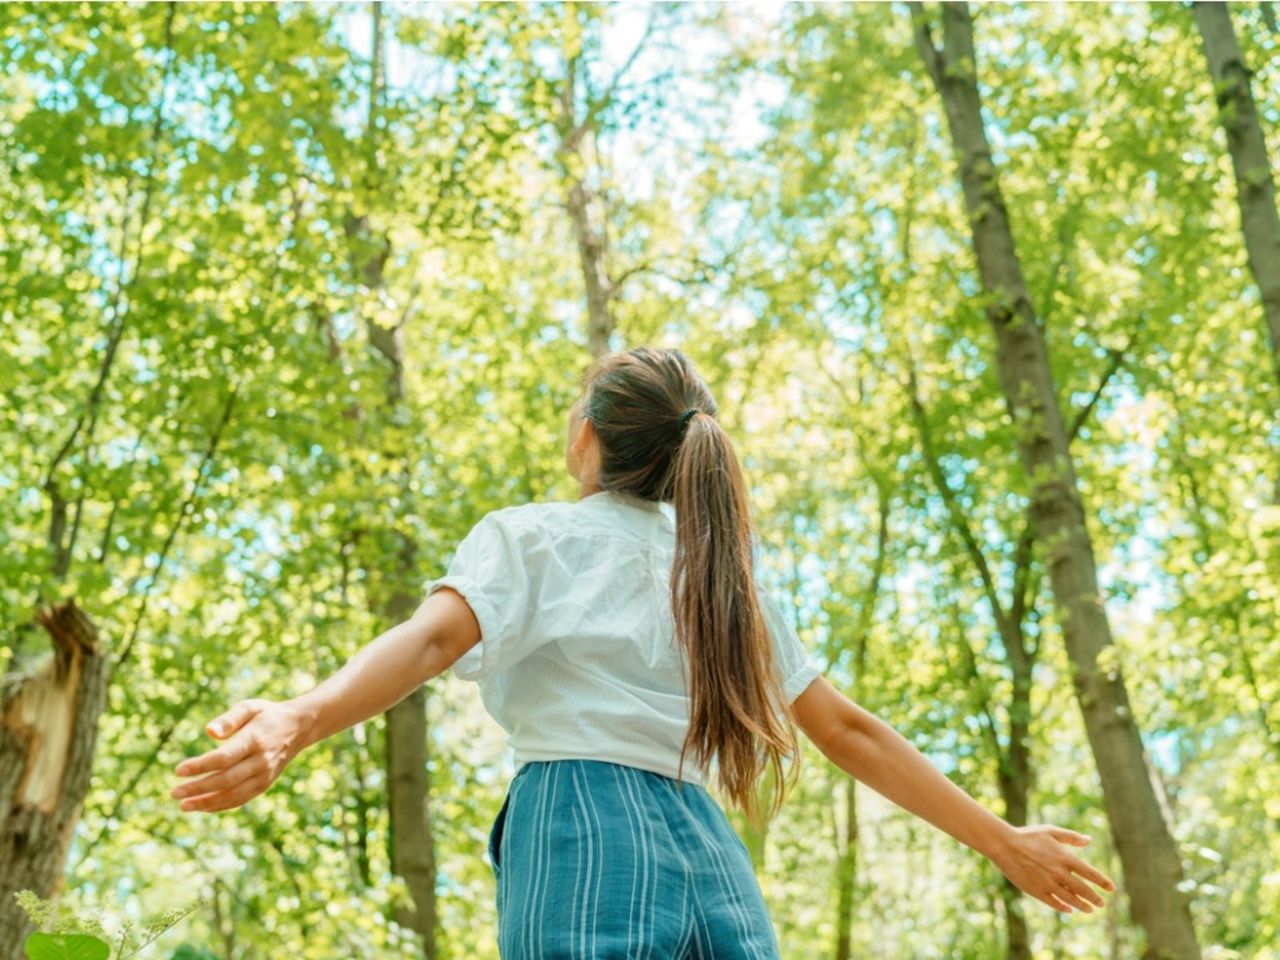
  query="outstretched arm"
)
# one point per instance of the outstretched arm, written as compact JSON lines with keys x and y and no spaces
{"x":263,"y":736}
{"x":868,"y":749}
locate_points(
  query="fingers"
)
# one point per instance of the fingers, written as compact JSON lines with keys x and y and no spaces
{"x":1091,"y":874}
{"x":1069,"y":836}
{"x":1078,"y":894}
{"x":222,"y":780}
{"x":1054,"y":902}
{"x":228,"y":723}
{"x":242,"y":792}
{"x":230,"y":753}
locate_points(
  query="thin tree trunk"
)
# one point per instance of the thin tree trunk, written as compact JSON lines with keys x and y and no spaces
{"x":1015,"y":788}
{"x":576,"y":130}
{"x":1255,"y":187}
{"x":588,"y":234}
{"x":410,"y":842}
{"x":48,"y":730}
{"x":847,"y":872}
{"x":1147,"y":849}
{"x":847,"y":860}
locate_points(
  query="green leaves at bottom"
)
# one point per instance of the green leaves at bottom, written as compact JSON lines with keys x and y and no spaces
{"x":66,"y":946}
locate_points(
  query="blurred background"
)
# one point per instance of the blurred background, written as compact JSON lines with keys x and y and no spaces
{"x":989,"y":296}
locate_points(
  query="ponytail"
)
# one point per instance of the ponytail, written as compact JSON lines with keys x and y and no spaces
{"x":660,"y":440}
{"x":738,"y":713}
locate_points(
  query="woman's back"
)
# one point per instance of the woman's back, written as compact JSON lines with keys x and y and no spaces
{"x":578,"y":656}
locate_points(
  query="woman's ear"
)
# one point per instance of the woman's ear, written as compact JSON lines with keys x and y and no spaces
{"x":586,"y":431}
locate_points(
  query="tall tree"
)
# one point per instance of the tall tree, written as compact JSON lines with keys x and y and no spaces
{"x":410,"y":835}
{"x":1147,"y":848}
{"x":1255,"y":182}
{"x":580,"y":110}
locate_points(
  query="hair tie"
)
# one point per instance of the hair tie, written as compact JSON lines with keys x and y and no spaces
{"x":684,"y":420}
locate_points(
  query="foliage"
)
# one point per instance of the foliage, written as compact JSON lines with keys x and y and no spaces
{"x":93,"y":935}
{"x":192,"y":442}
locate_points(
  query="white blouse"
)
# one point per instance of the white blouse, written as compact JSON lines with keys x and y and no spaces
{"x":577,"y":654}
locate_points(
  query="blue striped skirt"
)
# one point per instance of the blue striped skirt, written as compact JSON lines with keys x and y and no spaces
{"x":597,"y":860}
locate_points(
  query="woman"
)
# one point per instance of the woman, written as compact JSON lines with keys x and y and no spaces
{"x":631,"y":657}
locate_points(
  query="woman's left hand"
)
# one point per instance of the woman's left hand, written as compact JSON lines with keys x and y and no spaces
{"x":1036,"y":861}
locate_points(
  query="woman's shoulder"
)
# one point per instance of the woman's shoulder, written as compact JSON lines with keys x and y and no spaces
{"x":541,"y":516}
{"x":579,"y":520}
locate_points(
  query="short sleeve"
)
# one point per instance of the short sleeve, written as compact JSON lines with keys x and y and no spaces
{"x":797,"y":667}
{"x":493,"y":569}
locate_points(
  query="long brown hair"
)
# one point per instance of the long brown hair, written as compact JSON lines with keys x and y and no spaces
{"x":636,"y":401}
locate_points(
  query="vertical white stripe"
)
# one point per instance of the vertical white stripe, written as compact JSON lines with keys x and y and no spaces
{"x":701,"y":921}
{"x":580,"y":828}
{"x":644,"y":784}
{"x":635,"y":846}
{"x":600,"y":868}
{"x":535,"y":863}
{"x":630,"y":775}
{"x":548,"y":858}
{"x":686,"y":921}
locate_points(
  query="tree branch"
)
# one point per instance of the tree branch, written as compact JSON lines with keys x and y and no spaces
{"x":1117,"y":360}
{"x":183,"y":511}
{"x":923,"y":35}
{"x":958,"y":521}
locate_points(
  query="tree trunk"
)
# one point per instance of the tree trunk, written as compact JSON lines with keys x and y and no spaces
{"x":847,"y":873}
{"x":48,"y":729}
{"x":587,"y":232}
{"x":847,"y":860}
{"x":1015,"y":788}
{"x":411,"y":846}
{"x":1148,"y":852}
{"x":1255,"y":188}
{"x":595,"y":278}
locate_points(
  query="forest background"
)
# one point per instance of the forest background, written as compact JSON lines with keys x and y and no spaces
{"x":989,"y":297}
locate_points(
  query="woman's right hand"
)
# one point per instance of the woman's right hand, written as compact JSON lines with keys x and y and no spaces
{"x":262,"y":737}
{"x":1036,"y":861}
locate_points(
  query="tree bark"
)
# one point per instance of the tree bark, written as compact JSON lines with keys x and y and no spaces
{"x":48,"y":730}
{"x":587,"y":233}
{"x":1255,"y":186}
{"x":582,"y":202}
{"x":1147,"y":849}
{"x":411,"y":844}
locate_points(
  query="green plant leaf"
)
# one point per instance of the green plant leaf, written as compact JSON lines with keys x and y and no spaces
{"x":66,"y":946}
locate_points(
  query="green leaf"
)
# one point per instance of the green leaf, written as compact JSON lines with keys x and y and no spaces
{"x":188,"y":952}
{"x":66,"y":946}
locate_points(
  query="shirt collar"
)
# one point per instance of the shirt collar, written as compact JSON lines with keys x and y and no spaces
{"x":623,"y":499}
